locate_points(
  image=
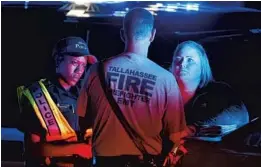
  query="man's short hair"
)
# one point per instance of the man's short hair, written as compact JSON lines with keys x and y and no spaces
{"x":138,"y":24}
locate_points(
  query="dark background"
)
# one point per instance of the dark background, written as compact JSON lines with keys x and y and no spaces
{"x":29,"y":35}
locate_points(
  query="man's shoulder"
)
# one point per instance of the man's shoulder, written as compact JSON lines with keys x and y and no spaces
{"x":165,"y":73}
{"x":145,"y":62}
{"x":162,"y":73}
{"x":114,"y":58}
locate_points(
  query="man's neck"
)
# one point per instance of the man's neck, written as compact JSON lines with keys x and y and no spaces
{"x":138,"y":48}
{"x":64,"y":84}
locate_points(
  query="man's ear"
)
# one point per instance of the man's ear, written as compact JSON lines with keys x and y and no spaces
{"x":153,"y":33}
{"x":122,"y":35}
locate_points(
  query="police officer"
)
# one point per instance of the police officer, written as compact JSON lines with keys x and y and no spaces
{"x":48,"y":116}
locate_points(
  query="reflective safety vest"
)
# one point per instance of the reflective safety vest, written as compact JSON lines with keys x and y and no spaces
{"x":49,"y":115}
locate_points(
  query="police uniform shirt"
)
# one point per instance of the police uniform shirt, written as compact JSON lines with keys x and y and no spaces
{"x":65,"y":100}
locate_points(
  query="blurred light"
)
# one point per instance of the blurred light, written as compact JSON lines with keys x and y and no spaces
{"x":192,"y":7}
{"x":79,"y":2}
{"x":106,"y":1}
{"x":153,"y":13}
{"x":159,"y":4}
{"x":94,"y":160}
{"x":89,"y":8}
{"x":26,"y":4}
{"x":172,"y":6}
{"x":82,"y":2}
{"x":119,"y":13}
{"x":75,"y":13}
{"x":170,"y":10}
{"x":152,"y":9}
{"x":86,"y":15}
{"x":255,"y":31}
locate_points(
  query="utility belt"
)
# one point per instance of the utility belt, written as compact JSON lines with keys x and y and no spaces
{"x":130,"y":161}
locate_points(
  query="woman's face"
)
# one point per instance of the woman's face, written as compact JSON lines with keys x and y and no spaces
{"x":187,"y":64}
{"x":72,"y":68}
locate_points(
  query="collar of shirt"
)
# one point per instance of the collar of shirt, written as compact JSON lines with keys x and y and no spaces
{"x":55,"y":87}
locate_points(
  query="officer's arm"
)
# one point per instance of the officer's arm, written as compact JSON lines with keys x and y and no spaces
{"x":29,"y":124}
{"x":43,"y":149}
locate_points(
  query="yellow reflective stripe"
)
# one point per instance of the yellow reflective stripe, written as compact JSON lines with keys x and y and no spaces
{"x":65,"y":128}
{"x":66,"y":131}
{"x":20,"y":91}
{"x":55,"y":110}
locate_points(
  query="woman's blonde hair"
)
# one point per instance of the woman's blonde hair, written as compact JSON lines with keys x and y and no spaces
{"x":206,"y":73}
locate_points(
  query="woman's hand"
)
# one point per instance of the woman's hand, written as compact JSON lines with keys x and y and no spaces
{"x":209,"y":131}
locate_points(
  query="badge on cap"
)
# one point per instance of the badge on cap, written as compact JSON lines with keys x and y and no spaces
{"x":80,"y":45}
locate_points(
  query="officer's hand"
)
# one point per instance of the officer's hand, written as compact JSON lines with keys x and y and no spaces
{"x":84,"y":150}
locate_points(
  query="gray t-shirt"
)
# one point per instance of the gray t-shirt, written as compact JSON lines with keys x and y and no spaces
{"x":148,"y":96}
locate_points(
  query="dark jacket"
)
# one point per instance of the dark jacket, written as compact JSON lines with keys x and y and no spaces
{"x":216,"y":104}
